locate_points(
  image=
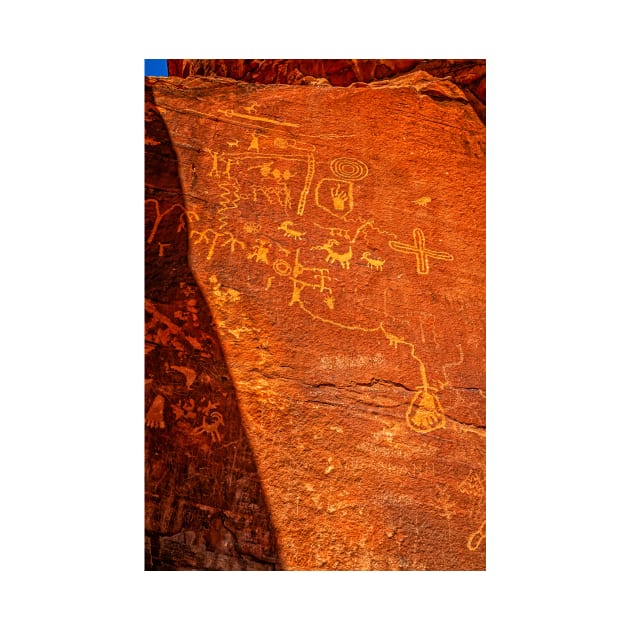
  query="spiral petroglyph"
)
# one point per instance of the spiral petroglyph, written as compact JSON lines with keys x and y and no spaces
{"x":348,"y":168}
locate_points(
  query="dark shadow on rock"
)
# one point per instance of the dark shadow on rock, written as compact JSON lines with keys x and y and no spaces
{"x":205,"y":508}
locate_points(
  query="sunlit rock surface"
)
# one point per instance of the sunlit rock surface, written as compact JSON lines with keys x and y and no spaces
{"x":315,"y":325}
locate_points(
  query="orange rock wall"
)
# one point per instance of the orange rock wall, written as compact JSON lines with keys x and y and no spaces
{"x":315,"y":326}
{"x":468,"y":74}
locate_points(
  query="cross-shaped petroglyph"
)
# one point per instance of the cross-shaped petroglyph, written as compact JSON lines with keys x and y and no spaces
{"x":421,"y":252}
{"x":264,"y":177}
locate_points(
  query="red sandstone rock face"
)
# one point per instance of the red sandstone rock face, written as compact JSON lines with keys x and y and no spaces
{"x":336,"y":239}
{"x":205,"y":507}
{"x":468,"y":74}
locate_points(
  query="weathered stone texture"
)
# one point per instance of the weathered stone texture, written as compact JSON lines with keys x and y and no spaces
{"x":316,"y":363}
{"x":205,"y":507}
{"x":468,"y":74}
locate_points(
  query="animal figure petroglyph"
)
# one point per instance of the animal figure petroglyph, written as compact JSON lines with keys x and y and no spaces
{"x":373,"y":263}
{"x":393,"y":340}
{"x":251,"y":109}
{"x":284,"y":227}
{"x":423,"y":201}
{"x":211,"y":428}
{"x":333,"y":256}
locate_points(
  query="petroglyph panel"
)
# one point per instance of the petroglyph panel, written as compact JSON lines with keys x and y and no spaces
{"x":340,"y":248}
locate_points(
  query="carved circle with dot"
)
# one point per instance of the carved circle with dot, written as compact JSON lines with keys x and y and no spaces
{"x":282,"y":267}
{"x":348,"y":168}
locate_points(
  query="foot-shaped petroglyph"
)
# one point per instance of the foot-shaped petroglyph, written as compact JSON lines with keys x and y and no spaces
{"x":425,"y":412}
{"x":477,"y":537}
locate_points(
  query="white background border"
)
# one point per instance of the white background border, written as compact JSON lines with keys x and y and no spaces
{"x":72,"y":264}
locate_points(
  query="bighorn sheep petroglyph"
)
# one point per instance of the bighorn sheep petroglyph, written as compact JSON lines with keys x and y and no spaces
{"x":342,"y":259}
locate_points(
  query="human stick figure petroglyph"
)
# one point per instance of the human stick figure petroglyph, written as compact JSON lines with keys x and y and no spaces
{"x":424,"y":413}
{"x":214,"y":171}
{"x":159,"y":216}
{"x":283,"y":268}
{"x":420,"y":251}
{"x":259,"y":254}
{"x":228,"y":166}
{"x":254,"y":145}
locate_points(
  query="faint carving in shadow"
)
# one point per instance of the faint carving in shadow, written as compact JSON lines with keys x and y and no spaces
{"x":205,"y":507}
